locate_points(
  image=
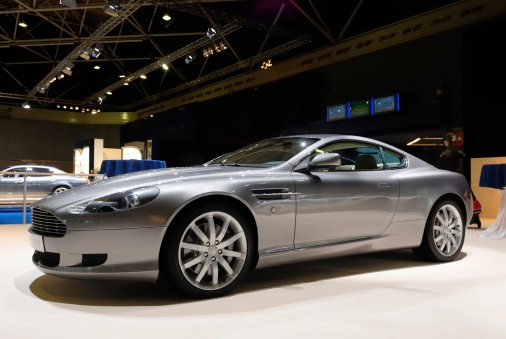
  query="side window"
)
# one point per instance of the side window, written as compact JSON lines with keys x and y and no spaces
{"x":394,"y":160}
{"x":15,"y":175}
{"x":355,"y":156}
{"x":41,"y":170}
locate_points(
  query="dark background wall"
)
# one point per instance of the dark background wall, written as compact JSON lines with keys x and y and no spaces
{"x":298,"y":105}
{"x":48,"y":143}
{"x":466,"y":62}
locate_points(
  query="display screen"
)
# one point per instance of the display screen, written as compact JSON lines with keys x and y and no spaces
{"x":336,"y":112}
{"x":386,"y":104}
{"x":364,"y":108}
{"x":359,"y":109}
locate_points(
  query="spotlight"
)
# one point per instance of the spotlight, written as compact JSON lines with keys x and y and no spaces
{"x":212,"y":31}
{"x":166,"y":17}
{"x":216,"y":47}
{"x":25,"y":104}
{"x":41,"y":90}
{"x":112,"y":8}
{"x":23,"y":24}
{"x":86,"y":52}
{"x":204,"y":53}
{"x":101,"y":98}
{"x":190,"y":57}
{"x":223,"y":46}
{"x":97,"y":50}
{"x":60,"y":76}
{"x":68,"y":69}
{"x":165,"y":67}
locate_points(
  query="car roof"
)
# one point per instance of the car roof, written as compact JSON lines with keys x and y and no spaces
{"x":37,"y":166}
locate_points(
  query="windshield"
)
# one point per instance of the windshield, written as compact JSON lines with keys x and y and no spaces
{"x":265,"y":153}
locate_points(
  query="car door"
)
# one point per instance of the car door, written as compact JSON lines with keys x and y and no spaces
{"x":41,"y":185}
{"x":345,"y":203}
{"x":12,"y":185}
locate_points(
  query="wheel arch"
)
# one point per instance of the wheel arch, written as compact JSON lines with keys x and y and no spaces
{"x":59,"y":185}
{"x":215,"y":199}
{"x":455,"y":198}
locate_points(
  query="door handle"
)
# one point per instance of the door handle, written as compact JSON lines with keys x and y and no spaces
{"x":385,"y":185}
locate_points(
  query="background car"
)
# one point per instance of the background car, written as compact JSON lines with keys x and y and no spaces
{"x":38,"y":186}
{"x":276,"y":201}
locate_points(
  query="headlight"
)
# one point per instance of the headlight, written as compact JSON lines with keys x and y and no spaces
{"x":120,"y":201}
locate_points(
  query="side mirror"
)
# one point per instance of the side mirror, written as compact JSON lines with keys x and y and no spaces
{"x":325,"y":160}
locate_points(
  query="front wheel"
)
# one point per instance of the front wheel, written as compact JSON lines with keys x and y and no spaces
{"x":59,"y":189}
{"x":444,"y":233}
{"x":208,"y":251}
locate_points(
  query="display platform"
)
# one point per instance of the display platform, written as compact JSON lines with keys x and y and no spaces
{"x":13,"y":215}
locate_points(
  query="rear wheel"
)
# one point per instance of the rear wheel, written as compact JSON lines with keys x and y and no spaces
{"x":209,"y":251}
{"x":444,"y":233}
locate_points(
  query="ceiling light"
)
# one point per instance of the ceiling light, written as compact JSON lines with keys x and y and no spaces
{"x":60,"y":76}
{"x":122,"y":75}
{"x":86,"y":52}
{"x":69,"y":3}
{"x":68,"y":69}
{"x":266,"y":64}
{"x":212,"y":31}
{"x":97,"y":50}
{"x":109,"y":93}
{"x":190,"y":57}
{"x":22,"y":24}
{"x":165,"y":67}
{"x":96,"y":67}
{"x":112,"y":8}
{"x":216,"y":47}
{"x":166,"y":17}
{"x":143,"y":76}
{"x":25,"y":104}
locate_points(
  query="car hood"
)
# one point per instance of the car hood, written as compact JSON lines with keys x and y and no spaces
{"x":151,"y":177}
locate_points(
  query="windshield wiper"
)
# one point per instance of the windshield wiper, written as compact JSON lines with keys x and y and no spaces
{"x":224,"y":163}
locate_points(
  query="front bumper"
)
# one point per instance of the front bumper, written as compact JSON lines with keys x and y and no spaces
{"x":121,"y":255}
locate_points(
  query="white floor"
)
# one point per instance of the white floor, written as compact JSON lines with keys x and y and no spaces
{"x":387,"y":295}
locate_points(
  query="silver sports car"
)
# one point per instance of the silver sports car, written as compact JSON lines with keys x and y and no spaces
{"x":34,"y":182}
{"x":276,"y":201}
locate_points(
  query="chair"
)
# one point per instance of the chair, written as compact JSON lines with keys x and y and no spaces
{"x":366,"y":162}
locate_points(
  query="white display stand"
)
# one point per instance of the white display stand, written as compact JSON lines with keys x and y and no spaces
{"x":498,"y":228}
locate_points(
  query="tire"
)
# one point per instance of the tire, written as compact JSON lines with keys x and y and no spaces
{"x":208,"y":252}
{"x":59,"y":189}
{"x":444,"y":233}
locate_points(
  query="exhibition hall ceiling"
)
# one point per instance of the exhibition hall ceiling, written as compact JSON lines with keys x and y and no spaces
{"x":50,"y":61}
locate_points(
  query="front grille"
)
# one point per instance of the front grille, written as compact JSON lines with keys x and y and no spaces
{"x":46,"y":224}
